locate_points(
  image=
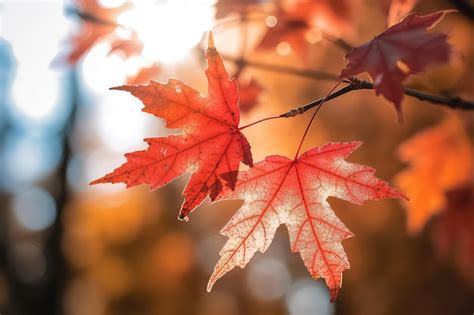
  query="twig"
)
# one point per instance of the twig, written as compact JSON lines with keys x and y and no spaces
{"x":325,"y":98}
{"x":311,"y":74}
{"x":302,"y":109}
{"x":357,"y":84}
{"x":89,"y":17}
{"x":341,"y":43}
{"x":452,"y":102}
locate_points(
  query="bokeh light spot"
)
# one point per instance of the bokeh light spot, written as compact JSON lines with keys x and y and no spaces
{"x":308,"y":297}
{"x":283,"y":49}
{"x":268,"y":279}
{"x":34,"y":208}
{"x":271,"y":21}
{"x":169,"y":29}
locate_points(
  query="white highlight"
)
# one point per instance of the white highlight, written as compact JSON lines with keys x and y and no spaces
{"x":169,"y":29}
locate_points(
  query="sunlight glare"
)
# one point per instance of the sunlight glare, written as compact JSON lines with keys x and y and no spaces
{"x":101,"y":73}
{"x":111,"y":116}
{"x":169,"y":29}
{"x":111,"y":3}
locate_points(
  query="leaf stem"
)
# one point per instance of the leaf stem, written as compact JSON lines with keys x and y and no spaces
{"x":312,"y":118}
{"x":261,"y":120}
{"x":311,"y":74}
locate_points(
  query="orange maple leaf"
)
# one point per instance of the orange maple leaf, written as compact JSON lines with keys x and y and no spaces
{"x":402,"y":50}
{"x":211,"y":145}
{"x":294,"y":192}
{"x":440,"y":160}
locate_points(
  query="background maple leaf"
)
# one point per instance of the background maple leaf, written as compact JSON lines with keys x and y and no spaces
{"x":97,"y":23}
{"x":453,"y":229}
{"x":300,"y":24}
{"x":249,"y":93}
{"x":440,"y":159}
{"x":402,"y":50}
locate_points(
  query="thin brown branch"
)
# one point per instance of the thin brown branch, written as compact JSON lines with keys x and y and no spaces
{"x":339,"y":42}
{"x":311,"y":74}
{"x":91,"y":18}
{"x":452,"y":102}
{"x":304,"y":108}
{"x":357,"y":84}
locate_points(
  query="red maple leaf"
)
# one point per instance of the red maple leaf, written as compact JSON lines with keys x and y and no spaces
{"x":299,"y":23}
{"x":96,"y":23}
{"x":211,"y":145}
{"x":402,"y":50}
{"x":294,"y":192}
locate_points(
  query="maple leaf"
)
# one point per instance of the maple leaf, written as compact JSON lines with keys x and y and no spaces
{"x":453,"y":231}
{"x":399,"y":9}
{"x":294,"y":192}
{"x":96,"y":23}
{"x":440,"y":160}
{"x":248,"y":95}
{"x":211,"y":145}
{"x":402,"y":50}
{"x":299,"y":23}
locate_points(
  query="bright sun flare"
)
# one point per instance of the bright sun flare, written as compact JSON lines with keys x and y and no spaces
{"x":169,"y":29}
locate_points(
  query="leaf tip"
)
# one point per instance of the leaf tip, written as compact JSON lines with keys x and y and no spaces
{"x":210,"y":41}
{"x":97,"y":181}
{"x":182,"y":217}
{"x":119,"y":88}
{"x":333,"y":294}
{"x":210,"y":284}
